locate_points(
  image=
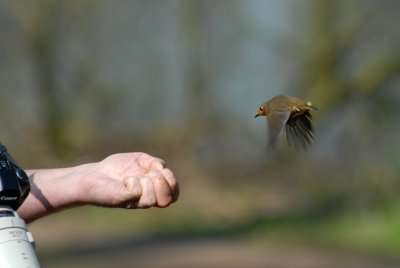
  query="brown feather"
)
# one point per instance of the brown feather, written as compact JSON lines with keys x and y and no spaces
{"x":290,"y":114}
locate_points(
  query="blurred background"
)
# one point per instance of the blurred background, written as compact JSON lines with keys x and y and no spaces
{"x":181,"y":80}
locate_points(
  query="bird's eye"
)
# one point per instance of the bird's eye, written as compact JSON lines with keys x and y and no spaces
{"x":260,"y":109}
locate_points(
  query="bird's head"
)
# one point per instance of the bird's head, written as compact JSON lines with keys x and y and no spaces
{"x":261,"y":111}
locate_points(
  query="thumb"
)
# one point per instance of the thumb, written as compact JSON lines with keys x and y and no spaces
{"x":133,"y":188}
{"x":119,"y":194}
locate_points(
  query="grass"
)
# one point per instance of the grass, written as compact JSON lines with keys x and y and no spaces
{"x":373,"y":232}
{"x":377,"y":232}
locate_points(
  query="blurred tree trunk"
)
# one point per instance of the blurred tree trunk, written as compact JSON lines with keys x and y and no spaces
{"x":43,"y":55}
{"x":321,"y":74}
{"x":37,"y":20}
{"x":194,"y":16}
{"x":343,"y":69}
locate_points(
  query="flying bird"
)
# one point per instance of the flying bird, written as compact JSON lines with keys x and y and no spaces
{"x":292,"y":115}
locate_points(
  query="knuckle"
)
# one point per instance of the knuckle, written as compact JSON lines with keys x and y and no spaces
{"x":168,"y":173}
{"x":159,"y":181}
{"x":165,"y":201}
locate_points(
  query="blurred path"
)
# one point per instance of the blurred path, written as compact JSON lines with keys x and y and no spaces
{"x":211,"y":252}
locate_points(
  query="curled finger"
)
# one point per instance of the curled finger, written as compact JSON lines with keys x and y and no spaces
{"x":162,"y":189}
{"x":172,"y":182}
{"x":151,"y":163}
{"x":148,"y":198}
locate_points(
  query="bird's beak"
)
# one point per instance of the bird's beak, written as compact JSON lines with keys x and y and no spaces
{"x":257,"y":115}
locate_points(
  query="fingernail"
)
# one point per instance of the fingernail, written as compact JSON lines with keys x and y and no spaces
{"x":159,"y":166}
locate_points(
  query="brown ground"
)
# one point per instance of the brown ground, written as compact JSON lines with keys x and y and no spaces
{"x":209,"y":252}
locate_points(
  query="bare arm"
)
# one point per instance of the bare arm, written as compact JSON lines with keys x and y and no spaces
{"x":129,"y":180}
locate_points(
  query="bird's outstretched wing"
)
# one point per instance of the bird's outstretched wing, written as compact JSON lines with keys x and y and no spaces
{"x":299,"y":130}
{"x":276,"y":123}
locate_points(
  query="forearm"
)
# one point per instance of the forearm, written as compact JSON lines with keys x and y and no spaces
{"x":52,"y":190}
{"x":128,"y":180}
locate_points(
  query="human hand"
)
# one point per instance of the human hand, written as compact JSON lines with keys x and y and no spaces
{"x":129,"y":180}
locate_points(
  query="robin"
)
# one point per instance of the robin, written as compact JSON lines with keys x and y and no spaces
{"x":291,"y":114}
